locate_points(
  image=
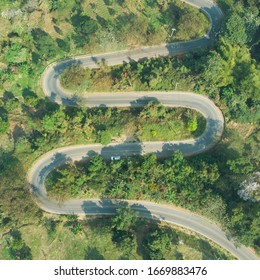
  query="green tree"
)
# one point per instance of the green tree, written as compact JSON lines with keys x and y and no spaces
{"x":236,"y":32}
{"x":104,"y":137}
{"x":125,"y":219}
{"x":153,"y":110}
{"x":17,"y":54}
{"x":10,"y":101}
{"x":54,"y":123}
{"x":240,"y":165}
{"x":65,"y":182}
{"x":192,"y":125}
{"x":124,"y":224}
{"x":44,"y":43}
{"x":17,"y":248}
{"x":4,"y":125}
{"x":84,"y":26}
{"x":30,"y":98}
{"x":157,"y":243}
{"x":254,"y":230}
{"x":76,"y":228}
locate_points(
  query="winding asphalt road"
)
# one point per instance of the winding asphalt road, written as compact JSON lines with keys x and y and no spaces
{"x":215,"y":124}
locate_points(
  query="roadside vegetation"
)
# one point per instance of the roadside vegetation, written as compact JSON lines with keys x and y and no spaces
{"x":33,"y":35}
{"x":229,"y":75}
{"x":189,"y":184}
{"x":121,"y":237}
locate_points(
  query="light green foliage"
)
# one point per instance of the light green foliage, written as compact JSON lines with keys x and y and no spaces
{"x":55,"y":123}
{"x":96,"y":241}
{"x":30,"y":98}
{"x":153,"y":111}
{"x":104,"y":137}
{"x":151,"y":122}
{"x":237,"y":75}
{"x":215,"y":208}
{"x":16,"y":54}
{"x":236,"y":30}
{"x":192,"y":125}
{"x":11,"y":103}
{"x":241,"y":165}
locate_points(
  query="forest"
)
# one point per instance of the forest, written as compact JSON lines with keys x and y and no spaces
{"x":219,"y":186}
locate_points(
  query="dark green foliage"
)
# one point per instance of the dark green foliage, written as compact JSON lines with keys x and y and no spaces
{"x":229,"y":75}
{"x":10,"y":101}
{"x":17,"y":248}
{"x":14,"y":197}
{"x":56,"y":4}
{"x":76,"y":228}
{"x":243,"y":223}
{"x":4,"y":123}
{"x":101,"y":124}
{"x":157,"y":243}
{"x":30,"y":97}
{"x":93,"y":254}
{"x":188,"y":183}
{"x":50,"y":226}
{"x":123,"y":226}
{"x":44,"y":43}
{"x":64,"y":45}
{"x":174,"y":180}
{"x":84,"y":26}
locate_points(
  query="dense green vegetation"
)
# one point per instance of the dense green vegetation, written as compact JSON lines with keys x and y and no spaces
{"x":101,"y":125}
{"x":229,"y":75}
{"x":123,"y":236}
{"x":175,"y":180}
{"x":228,"y":72}
{"x":34,"y":33}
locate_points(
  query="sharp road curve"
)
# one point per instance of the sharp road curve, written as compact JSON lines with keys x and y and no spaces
{"x":214,"y":129}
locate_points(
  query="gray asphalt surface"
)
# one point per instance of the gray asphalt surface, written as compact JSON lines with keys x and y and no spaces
{"x":215,"y":124}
